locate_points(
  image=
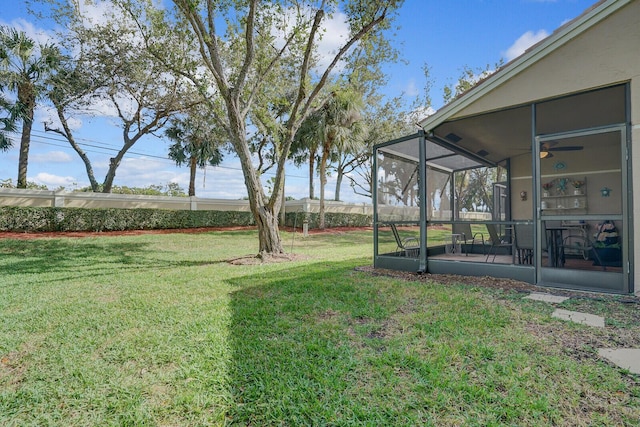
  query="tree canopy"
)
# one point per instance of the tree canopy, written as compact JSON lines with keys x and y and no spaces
{"x":243,"y":53}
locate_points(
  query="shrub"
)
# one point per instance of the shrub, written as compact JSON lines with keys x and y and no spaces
{"x":80,"y":219}
{"x":331,"y":220}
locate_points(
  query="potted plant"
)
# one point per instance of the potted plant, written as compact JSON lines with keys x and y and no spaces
{"x":577,"y":185}
{"x":546,"y":187}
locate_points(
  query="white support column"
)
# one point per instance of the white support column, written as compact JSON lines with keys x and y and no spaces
{"x":58,"y":199}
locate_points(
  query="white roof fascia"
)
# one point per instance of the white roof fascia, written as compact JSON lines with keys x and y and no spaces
{"x":544,"y":48}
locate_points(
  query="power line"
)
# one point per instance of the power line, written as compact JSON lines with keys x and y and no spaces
{"x":107,"y":147}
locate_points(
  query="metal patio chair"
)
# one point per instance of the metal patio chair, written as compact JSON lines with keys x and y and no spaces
{"x":464,"y":230}
{"x":409,"y":246}
{"x":496,"y":242}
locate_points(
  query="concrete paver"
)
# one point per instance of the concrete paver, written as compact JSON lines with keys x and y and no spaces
{"x":576,"y":316}
{"x":626,"y":358}
{"x":541,"y":296}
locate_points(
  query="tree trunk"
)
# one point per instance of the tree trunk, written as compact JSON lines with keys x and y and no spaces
{"x":193,"y":166}
{"x":312,"y":164}
{"x":66,"y":133}
{"x":283,"y":211}
{"x":270,"y":242}
{"x":26,"y":97}
{"x":323,"y":183}
{"x":265,"y":212}
{"x":266,"y":217}
{"x":114,"y":162}
{"x":338,"y":184}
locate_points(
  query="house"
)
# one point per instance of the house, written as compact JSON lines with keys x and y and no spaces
{"x":565,"y":112}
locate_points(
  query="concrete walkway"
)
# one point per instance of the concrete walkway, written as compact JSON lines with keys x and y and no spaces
{"x":625,"y":358}
{"x":577,"y":317}
{"x":550,"y":298}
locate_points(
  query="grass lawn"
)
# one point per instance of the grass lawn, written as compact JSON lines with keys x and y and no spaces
{"x":160,"y":330}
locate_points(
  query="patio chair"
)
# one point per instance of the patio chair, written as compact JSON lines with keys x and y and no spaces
{"x":409,"y":246}
{"x":524,"y":243}
{"x":465,"y":233}
{"x":496,"y":242}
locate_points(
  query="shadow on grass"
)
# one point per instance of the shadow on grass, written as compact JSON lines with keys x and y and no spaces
{"x":292,"y":361}
{"x":81,"y":258}
{"x":60,"y":255}
{"x":321,"y":344}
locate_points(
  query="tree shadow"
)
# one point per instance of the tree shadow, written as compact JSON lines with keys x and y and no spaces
{"x":62,"y":260}
{"x":292,"y":344}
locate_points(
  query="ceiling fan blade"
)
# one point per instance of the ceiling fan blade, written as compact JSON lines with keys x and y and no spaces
{"x":568,"y":148}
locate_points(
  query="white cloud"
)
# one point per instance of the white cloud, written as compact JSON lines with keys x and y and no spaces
{"x":54,"y":181}
{"x":335,"y":33}
{"x":411,"y":89}
{"x":39,"y":35}
{"x":332,"y":35}
{"x":51,"y":157}
{"x":98,"y":13}
{"x":524,"y":42}
{"x":221,"y":183}
{"x":49,"y":116}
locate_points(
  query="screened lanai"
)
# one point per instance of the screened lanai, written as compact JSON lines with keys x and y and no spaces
{"x":534,"y":192}
{"x":417,"y":222}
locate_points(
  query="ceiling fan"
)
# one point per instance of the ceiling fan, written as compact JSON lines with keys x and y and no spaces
{"x":546,"y":149}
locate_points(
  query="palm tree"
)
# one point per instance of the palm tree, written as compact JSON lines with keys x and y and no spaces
{"x":195,"y":145}
{"x":304,"y":148}
{"x":7,"y":123}
{"x":23,"y":69}
{"x":337,"y":125}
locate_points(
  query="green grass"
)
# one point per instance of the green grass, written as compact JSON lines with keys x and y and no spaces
{"x":161,"y":330}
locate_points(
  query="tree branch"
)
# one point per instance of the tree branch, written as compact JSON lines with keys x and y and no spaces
{"x":249,"y":49}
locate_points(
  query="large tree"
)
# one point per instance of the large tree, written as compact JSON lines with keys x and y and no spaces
{"x":24,"y":69}
{"x":111,"y":73}
{"x":245,"y":48}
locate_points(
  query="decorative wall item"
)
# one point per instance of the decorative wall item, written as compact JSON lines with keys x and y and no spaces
{"x":564,"y":194}
{"x":577,"y":185}
{"x":562,"y":186}
{"x":605,"y":192}
{"x":559,"y":166}
{"x":523,"y":195}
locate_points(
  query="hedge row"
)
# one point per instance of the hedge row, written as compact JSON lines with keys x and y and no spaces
{"x":331,"y":220}
{"x":80,"y":219}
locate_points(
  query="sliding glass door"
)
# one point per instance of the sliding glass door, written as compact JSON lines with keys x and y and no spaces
{"x":582,"y":209}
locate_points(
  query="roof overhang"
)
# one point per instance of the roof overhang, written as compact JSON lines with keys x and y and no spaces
{"x":439,"y":153}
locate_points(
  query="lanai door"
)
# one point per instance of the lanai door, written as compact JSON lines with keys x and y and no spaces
{"x":581,"y":213}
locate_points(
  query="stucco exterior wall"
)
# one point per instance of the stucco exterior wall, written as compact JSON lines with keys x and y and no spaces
{"x":601,"y":56}
{"x":635,"y":179}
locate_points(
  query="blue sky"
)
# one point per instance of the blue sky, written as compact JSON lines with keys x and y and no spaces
{"x":447,"y":35}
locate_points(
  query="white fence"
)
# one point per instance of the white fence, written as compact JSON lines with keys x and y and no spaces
{"x":44,"y":198}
